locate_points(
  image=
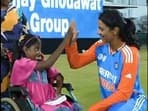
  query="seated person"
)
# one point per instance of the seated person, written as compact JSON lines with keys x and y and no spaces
{"x":33,"y":74}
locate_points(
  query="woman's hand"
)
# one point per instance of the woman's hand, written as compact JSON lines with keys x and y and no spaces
{"x":72,"y":33}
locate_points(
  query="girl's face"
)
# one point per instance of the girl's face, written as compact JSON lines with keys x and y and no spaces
{"x":106,"y":33}
{"x":34,"y":51}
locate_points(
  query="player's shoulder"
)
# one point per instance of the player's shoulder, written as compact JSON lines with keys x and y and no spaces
{"x":129,"y":49}
{"x":129,"y":53}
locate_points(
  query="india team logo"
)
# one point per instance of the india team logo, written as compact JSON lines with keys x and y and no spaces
{"x":101,"y":57}
{"x":116,"y":65}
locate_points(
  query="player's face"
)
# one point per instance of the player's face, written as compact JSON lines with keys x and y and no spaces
{"x":105,"y":32}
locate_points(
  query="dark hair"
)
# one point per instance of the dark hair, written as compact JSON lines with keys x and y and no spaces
{"x":26,"y":40}
{"x":127,"y":29}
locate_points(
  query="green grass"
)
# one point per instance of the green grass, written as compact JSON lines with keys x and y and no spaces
{"x":85,"y":80}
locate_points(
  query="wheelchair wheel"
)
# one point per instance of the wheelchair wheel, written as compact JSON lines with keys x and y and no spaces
{"x":7,"y":104}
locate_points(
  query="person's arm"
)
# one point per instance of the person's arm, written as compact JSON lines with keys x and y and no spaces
{"x":59,"y":83}
{"x":55,"y":77}
{"x":54,"y":56}
{"x":76,"y":59}
{"x":126,"y":85}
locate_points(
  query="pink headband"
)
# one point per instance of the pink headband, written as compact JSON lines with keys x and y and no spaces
{"x":30,"y":40}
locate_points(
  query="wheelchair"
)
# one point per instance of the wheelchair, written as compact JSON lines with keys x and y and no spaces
{"x":18,"y":99}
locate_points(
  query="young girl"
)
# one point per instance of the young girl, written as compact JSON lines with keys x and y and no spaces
{"x":117,"y":57}
{"x":33,"y":74}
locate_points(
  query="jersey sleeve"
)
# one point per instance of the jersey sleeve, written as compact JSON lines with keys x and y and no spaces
{"x":126,"y":85}
{"x":10,"y":20}
{"x":76,"y":59}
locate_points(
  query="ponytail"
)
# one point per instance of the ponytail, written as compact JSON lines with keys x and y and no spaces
{"x":130,"y":34}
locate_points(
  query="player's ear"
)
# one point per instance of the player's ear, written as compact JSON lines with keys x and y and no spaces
{"x":115,"y":31}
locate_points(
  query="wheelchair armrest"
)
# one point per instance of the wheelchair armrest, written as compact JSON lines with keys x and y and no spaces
{"x":17,"y":90}
{"x":68,"y":86}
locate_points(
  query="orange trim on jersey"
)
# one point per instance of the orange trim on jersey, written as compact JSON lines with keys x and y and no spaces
{"x":76,"y":59}
{"x":126,"y":85}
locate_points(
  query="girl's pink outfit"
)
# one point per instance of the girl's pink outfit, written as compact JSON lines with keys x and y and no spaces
{"x":40,"y":90}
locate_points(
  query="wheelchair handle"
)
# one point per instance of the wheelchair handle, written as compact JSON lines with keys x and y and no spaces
{"x":18,"y":89}
{"x":68,"y":86}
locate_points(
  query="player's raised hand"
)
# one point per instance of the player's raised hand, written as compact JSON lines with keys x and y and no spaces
{"x":72,"y":33}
